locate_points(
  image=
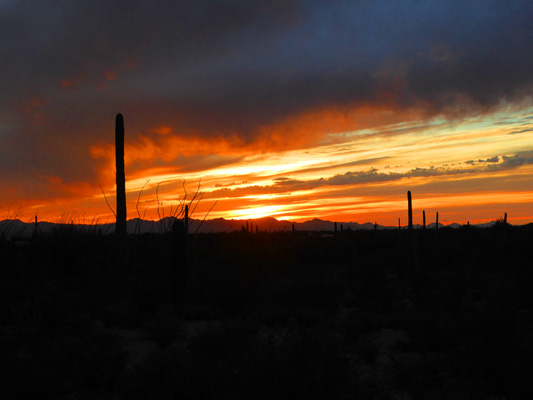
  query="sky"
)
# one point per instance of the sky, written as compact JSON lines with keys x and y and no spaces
{"x":291,"y":109}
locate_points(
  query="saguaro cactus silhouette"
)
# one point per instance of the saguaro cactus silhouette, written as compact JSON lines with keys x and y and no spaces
{"x":410,"y":209}
{"x":437,"y":221}
{"x":424,"y":219}
{"x":120,"y":228}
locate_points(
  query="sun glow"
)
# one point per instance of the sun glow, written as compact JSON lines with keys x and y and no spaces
{"x":256,"y":212}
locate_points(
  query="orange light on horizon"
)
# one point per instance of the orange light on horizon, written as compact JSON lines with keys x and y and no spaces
{"x":340,"y":164}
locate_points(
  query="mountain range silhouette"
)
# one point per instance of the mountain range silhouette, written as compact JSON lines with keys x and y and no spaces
{"x":21,"y":229}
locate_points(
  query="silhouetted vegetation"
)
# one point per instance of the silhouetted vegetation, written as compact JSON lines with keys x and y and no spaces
{"x":359,"y":314}
{"x":409,"y":210}
{"x":120,"y":176}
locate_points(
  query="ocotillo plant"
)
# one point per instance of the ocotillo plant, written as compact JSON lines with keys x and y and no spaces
{"x":120,"y":228}
{"x":424,"y":218}
{"x":410,"y":210}
{"x":180,"y":258}
{"x":186,"y":226}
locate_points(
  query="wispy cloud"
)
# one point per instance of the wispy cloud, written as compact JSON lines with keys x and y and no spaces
{"x":287,"y":185}
{"x":521,"y":131}
{"x":494,"y":159}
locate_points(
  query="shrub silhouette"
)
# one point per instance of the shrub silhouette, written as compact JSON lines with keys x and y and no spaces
{"x":120,"y":176}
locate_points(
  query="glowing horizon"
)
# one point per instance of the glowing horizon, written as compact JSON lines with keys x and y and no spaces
{"x":358,"y":176}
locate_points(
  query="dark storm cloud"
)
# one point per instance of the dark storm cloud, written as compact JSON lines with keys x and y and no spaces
{"x":212,"y":68}
{"x":48,"y":41}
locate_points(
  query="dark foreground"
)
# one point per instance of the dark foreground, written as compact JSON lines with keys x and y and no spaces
{"x":358,"y":315}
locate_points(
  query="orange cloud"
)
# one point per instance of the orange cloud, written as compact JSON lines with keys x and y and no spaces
{"x":73,"y":82}
{"x":163,"y":130}
{"x":295,"y":132}
{"x":67,"y":83}
{"x":110,"y":75}
{"x":63,"y":190}
{"x":313,"y":126}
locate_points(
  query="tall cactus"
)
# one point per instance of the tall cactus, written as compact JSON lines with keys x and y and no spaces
{"x":410,"y":209}
{"x":437,"y":221}
{"x":120,"y":228}
{"x":424,"y":218}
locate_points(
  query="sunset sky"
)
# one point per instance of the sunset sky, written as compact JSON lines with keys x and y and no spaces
{"x":291,"y":109}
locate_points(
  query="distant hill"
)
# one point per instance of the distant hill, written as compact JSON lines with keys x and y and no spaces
{"x":15,"y":228}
